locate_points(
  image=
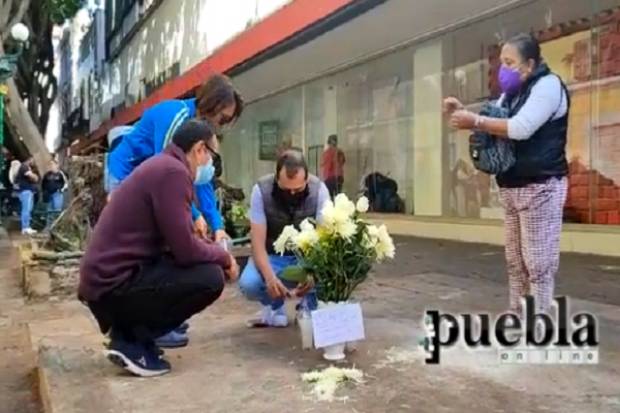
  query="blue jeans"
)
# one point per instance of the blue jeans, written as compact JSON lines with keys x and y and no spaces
{"x":253,"y":286}
{"x":27,"y":200}
{"x":55,"y":205}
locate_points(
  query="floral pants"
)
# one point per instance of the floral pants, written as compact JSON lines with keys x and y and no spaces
{"x":533,"y":223}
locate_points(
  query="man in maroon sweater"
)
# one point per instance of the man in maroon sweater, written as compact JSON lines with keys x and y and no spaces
{"x":145,"y":271}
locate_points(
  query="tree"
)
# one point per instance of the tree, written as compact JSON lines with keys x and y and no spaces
{"x":34,"y":89}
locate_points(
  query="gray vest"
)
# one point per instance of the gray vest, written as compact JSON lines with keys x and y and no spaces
{"x":278,"y":216}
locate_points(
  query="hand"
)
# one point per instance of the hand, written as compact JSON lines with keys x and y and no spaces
{"x":200,"y":227}
{"x":276,"y":289}
{"x":451,"y":104}
{"x":463,"y":119}
{"x":303,"y":288}
{"x":232,"y":272}
{"x":220,"y":234}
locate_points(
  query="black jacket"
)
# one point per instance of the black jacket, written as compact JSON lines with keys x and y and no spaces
{"x":543,"y":155}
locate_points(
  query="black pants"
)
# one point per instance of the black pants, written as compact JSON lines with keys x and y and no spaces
{"x":157,"y":299}
{"x":334,"y":185}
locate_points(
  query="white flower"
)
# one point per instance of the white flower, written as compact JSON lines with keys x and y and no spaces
{"x":342,"y":203}
{"x":327,"y":214}
{"x":286,"y":237}
{"x":371,"y":238}
{"x":306,"y":225}
{"x":307,"y":236}
{"x":362,"y":205}
{"x":385,"y":245}
{"x":346,"y":229}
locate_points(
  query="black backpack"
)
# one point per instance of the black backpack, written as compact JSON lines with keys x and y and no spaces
{"x":492,"y":155}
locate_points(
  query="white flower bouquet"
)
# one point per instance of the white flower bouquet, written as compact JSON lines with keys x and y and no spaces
{"x":338,"y":252}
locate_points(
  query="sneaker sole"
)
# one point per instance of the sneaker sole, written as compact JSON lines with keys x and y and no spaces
{"x":171,"y":345}
{"x":119,"y":359}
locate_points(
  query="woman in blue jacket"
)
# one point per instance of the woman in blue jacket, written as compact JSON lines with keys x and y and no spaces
{"x":218,"y":102}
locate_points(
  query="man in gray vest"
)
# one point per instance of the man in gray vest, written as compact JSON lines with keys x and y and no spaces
{"x":285,"y":198}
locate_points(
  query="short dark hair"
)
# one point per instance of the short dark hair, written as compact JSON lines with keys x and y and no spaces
{"x":528,"y":47}
{"x":192,"y":132}
{"x":292,"y":160}
{"x":332,"y":139}
{"x":217,"y":93}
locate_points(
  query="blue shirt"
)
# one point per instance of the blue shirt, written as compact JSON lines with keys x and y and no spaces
{"x":150,"y":136}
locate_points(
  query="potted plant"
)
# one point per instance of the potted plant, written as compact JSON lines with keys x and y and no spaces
{"x":238,"y":217}
{"x":337,"y":253}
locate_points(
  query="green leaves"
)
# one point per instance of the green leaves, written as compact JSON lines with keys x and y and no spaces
{"x":61,"y":10}
{"x":294,"y":273}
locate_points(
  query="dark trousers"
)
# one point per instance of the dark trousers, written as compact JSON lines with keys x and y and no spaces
{"x":157,"y":299}
{"x":334,"y":185}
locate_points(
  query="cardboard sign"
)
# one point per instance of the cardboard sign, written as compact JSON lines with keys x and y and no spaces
{"x":337,"y":324}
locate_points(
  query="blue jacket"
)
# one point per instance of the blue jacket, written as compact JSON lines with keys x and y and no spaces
{"x":149,"y":137}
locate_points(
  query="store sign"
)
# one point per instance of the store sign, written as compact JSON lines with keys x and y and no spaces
{"x":269,"y":138}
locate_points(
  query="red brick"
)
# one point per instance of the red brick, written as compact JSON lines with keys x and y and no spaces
{"x":605,"y":204}
{"x":584,"y":216}
{"x":613,"y":218}
{"x":579,"y":179}
{"x":580,"y":203}
{"x":600,"y":218}
{"x":579,"y":192}
{"x":576,"y":167}
{"x":607,"y":192}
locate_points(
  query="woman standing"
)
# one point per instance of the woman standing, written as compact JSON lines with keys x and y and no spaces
{"x":26,"y":181}
{"x":533,"y":190}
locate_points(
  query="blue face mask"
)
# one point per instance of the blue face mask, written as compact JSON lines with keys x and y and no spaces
{"x":204,"y":173}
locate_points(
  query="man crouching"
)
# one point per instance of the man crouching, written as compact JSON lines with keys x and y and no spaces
{"x":145,"y":271}
{"x":285,"y":198}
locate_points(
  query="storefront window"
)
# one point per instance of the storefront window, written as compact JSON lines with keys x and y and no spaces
{"x":397,"y":145}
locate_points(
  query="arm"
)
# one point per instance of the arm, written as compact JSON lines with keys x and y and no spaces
{"x":258,"y":235}
{"x":171,"y":206}
{"x":544,"y":100}
{"x":322,"y":197}
{"x":208,"y":206}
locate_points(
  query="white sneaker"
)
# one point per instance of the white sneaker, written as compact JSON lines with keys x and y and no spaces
{"x":268,"y":317}
{"x":28,"y":231}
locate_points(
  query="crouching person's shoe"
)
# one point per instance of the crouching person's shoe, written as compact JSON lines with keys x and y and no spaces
{"x":173,"y":339}
{"x":138,"y":359}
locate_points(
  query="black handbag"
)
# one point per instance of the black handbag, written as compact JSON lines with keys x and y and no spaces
{"x":489,"y":154}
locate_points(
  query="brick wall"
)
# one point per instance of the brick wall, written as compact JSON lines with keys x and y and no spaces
{"x":592,"y":197}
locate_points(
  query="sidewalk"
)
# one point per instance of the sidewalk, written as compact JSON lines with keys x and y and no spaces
{"x":228,"y":368}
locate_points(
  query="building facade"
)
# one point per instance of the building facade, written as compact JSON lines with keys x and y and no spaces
{"x":378,"y":81}
{"x":374,"y":73}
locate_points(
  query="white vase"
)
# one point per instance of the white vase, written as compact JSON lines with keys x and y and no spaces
{"x":335,"y":352}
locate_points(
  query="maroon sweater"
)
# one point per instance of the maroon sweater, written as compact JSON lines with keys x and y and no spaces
{"x":148,"y":214}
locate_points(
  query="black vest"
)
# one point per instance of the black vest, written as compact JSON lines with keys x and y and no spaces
{"x":543,"y":155}
{"x":278,"y":216}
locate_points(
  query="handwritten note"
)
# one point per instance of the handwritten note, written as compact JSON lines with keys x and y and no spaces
{"x":337,"y":324}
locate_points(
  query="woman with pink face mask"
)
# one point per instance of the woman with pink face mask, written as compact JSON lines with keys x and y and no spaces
{"x":533,"y":190}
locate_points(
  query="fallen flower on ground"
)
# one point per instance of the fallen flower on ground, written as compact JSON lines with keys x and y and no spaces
{"x":326,"y":382}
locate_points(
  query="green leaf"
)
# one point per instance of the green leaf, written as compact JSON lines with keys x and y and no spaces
{"x":294,"y":273}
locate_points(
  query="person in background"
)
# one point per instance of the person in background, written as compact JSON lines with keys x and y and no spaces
{"x":332,"y":166}
{"x":53,"y":185}
{"x":533,"y":190}
{"x":285,"y":198}
{"x":217,"y":102}
{"x":26,"y":181}
{"x":145,"y":271}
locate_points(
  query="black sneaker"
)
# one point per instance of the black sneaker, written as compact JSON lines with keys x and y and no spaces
{"x":136,"y":358}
